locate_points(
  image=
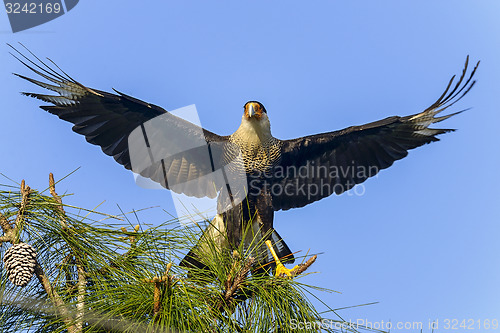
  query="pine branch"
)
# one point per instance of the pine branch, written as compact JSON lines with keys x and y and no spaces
{"x":4,"y":223}
{"x":25,"y":192}
{"x":240,"y":277}
{"x":55,"y":298}
{"x":52,"y":190}
{"x":159,"y":282}
{"x":302,"y":267}
{"x":81,"y":286}
{"x":70,"y":285}
{"x":11,"y":233}
{"x":8,"y":231}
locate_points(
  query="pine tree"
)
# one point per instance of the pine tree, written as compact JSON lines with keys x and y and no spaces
{"x":93,"y":274}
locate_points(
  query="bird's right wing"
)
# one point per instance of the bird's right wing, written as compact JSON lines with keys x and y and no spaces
{"x":108,"y":120}
{"x":316,"y":166}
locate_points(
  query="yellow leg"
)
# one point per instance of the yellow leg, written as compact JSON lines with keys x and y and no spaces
{"x":280,"y":269}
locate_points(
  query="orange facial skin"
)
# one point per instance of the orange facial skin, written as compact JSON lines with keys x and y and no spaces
{"x":257,"y":110}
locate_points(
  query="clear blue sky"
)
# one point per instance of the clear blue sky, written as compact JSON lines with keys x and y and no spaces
{"x":423,"y":240}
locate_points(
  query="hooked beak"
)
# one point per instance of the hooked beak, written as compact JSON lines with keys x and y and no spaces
{"x":251,"y":111}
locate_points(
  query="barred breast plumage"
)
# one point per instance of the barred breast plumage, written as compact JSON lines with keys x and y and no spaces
{"x":258,"y":156}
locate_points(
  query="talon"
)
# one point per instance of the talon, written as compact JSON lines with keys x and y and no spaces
{"x":280,"y":269}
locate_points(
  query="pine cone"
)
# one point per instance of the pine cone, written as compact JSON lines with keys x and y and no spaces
{"x":20,"y":261}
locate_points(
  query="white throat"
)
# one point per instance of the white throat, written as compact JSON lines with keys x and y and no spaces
{"x":254,"y":131}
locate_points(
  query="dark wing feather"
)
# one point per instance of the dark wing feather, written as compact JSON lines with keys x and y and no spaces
{"x":107,"y":120}
{"x":314,"y":167}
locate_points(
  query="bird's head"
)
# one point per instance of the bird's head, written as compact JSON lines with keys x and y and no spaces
{"x":255,"y":121}
{"x":254,"y":110}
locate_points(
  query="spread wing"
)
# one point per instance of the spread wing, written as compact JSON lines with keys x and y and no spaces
{"x":108,"y":120}
{"x":314,"y":167}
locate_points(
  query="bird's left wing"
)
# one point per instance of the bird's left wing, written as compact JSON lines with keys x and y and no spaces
{"x":316,"y":166}
{"x":107,"y":120}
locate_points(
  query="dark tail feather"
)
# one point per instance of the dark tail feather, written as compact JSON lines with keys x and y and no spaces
{"x":282,"y":250}
{"x":190,"y":260}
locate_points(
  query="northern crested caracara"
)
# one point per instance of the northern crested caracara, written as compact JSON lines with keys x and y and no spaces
{"x":277,"y":174}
